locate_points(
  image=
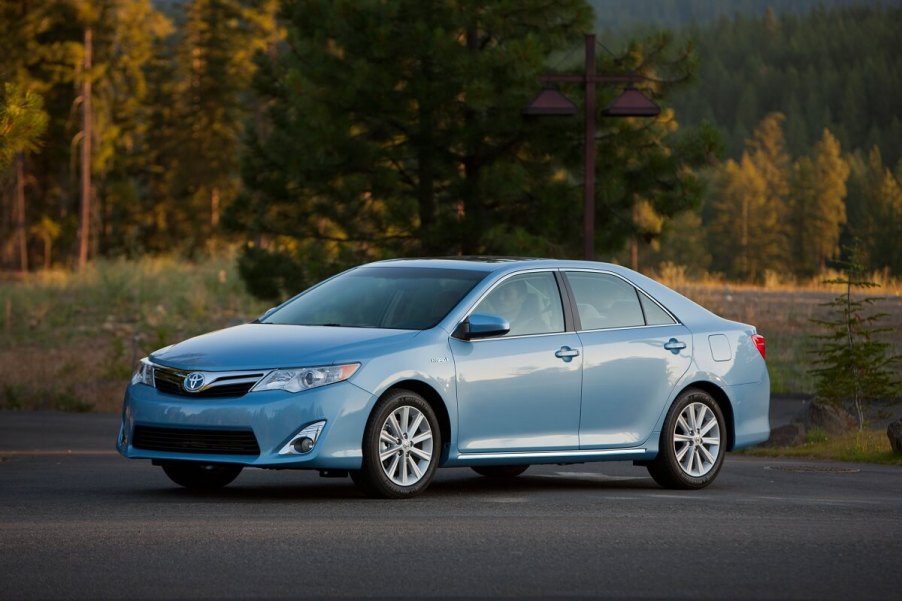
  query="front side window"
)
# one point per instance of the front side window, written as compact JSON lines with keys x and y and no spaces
{"x":530,"y":302}
{"x":605,"y":301}
{"x":405,"y":298}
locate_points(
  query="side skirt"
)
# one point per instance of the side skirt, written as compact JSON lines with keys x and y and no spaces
{"x":536,"y":457}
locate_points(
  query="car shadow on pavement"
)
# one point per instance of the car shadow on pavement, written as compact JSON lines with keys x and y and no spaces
{"x":459,"y":484}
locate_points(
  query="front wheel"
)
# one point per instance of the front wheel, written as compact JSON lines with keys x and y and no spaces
{"x":201,"y":476}
{"x":401,"y":447}
{"x":692,"y":443}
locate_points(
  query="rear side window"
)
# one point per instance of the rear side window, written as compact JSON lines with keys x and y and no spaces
{"x":606,"y":301}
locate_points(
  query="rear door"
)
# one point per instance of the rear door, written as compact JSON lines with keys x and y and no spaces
{"x":634,"y":353}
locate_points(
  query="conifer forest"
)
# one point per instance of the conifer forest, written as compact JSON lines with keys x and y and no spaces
{"x":312,"y":135}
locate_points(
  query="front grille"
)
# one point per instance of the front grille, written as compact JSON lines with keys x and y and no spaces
{"x":191,"y":440}
{"x":219,"y":384}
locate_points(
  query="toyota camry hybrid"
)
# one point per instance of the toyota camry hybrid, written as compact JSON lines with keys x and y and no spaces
{"x":390,"y":370}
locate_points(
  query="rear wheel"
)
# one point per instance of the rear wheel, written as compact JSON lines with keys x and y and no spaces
{"x":500,"y":471}
{"x":201,"y":476}
{"x":401,"y":447}
{"x":692,"y":443}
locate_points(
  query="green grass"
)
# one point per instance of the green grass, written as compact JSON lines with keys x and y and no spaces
{"x":868,"y":446}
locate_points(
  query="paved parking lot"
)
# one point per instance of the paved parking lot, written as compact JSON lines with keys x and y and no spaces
{"x":79,"y":522}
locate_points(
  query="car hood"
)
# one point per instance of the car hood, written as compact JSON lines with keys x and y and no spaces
{"x":266,"y":346}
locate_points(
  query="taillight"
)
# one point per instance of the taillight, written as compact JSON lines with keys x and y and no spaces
{"x":758,"y":339}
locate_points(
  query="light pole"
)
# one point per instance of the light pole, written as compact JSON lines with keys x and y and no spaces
{"x":631,"y":103}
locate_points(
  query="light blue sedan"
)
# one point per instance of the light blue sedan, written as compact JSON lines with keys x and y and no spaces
{"x":390,"y":370}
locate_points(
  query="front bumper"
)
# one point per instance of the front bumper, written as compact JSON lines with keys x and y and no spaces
{"x":274,"y":417}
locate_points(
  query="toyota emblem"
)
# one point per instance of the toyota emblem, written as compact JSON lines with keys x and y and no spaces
{"x":194,"y":382}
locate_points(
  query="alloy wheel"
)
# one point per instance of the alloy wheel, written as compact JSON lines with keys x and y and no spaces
{"x":696,"y":439}
{"x":405,"y":445}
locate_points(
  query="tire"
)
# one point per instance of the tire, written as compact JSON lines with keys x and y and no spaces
{"x":201,"y":476}
{"x":500,"y":471}
{"x":693,"y":443}
{"x":401,"y":447}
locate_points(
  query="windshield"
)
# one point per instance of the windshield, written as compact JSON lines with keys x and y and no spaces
{"x":404,"y":298}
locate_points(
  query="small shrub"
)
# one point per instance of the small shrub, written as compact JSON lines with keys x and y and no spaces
{"x":816,"y":436}
{"x":12,"y":397}
{"x":855,"y":364}
{"x":67,"y":400}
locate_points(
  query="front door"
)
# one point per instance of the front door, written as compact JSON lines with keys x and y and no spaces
{"x":521,"y":391}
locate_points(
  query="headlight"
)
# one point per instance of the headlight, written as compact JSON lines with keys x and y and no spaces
{"x":305,"y":378}
{"x":143,"y":373}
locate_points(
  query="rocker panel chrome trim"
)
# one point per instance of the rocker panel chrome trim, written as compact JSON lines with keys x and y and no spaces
{"x":552,"y":454}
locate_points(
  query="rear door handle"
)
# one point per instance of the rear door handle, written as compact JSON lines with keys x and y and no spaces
{"x":566,"y":353}
{"x":674,"y":346}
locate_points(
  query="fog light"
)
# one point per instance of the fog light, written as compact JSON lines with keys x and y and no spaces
{"x":302,"y":445}
{"x":304,"y":441}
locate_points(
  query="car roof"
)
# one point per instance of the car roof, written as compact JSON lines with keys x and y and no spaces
{"x":493,"y":263}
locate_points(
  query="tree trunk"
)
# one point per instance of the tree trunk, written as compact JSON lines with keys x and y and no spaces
{"x":214,"y":208}
{"x":85,"y":229}
{"x":426,"y":173}
{"x":476,"y":215}
{"x":48,"y":249}
{"x":19,"y":212}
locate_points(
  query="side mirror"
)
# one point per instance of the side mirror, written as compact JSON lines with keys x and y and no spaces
{"x":480,"y":325}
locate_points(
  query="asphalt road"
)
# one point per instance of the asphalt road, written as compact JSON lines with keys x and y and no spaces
{"x":79,"y":522}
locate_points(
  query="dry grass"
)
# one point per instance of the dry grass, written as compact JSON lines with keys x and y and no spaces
{"x":868,"y":446}
{"x":69,"y":340}
{"x":782,"y":311}
{"x":677,"y":276}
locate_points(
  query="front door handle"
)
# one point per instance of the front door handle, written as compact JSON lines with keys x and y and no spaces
{"x":674,"y":346}
{"x":566,"y":353}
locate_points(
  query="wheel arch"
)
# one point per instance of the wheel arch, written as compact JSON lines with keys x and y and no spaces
{"x":723,"y":401}
{"x":435,"y":401}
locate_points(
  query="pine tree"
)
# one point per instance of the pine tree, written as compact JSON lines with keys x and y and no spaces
{"x":23,"y":118}
{"x":125,"y":39}
{"x":22,"y":122}
{"x":856,"y":364}
{"x":396,"y":128}
{"x":215,"y":52}
{"x":743,"y":222}
{"x":816,"y":207}
{"x":747,"y":210}
{"x":887,"y":247}
{"x":766,"y":151}
{"x":874,"y":206}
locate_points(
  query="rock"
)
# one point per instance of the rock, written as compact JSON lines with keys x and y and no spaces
{"x":832,"y":420}
{"x":790,"y":435}
{"x":894,"y":433}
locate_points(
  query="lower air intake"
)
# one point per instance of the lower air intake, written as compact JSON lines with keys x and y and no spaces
{"x":201,"y":441}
